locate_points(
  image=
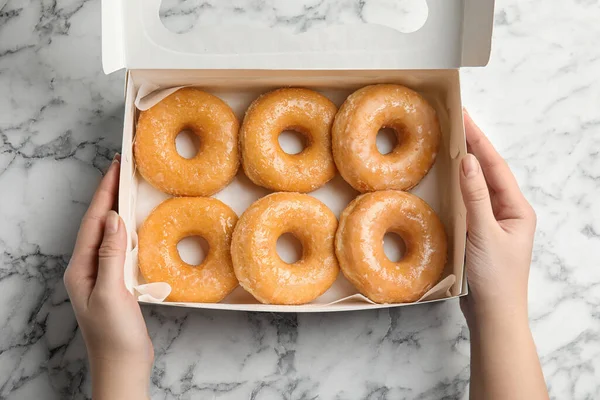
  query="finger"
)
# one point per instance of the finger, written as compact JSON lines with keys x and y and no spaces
{"x":476,"y":196}
{"x":499,"y":177}
{"x":90,"y":232}
{"x":111,"y":255}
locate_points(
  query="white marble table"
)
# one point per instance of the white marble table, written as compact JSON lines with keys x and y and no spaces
{"x":60,"y":121}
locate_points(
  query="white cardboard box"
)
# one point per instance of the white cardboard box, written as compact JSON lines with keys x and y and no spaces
{"x":237,"y":64}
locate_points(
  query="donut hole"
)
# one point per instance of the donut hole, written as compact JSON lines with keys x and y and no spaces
{"x":193,"y":250}
{"x":393,"y":246}
{"x":292,"y":141}
{"x":387,"y":140}
{"x":289,"y":248}
{"x":187,"y":144}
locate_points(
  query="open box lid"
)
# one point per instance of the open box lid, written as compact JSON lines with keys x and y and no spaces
{"x":456,"y":33}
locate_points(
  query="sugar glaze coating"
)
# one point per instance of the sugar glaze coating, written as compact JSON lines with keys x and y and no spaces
{"x":259,"y":268}
{"x":159,"y":260}
{"x":264,"y":161}
{"x":355,"y":129}
{"x":217,"y":160}
{"x":359,"y":246}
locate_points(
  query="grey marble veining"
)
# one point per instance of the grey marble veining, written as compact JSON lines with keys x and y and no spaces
{"x":60,"y":121}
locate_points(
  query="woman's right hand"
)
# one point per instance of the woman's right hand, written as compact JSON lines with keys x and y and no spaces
{"x":501,"y":225}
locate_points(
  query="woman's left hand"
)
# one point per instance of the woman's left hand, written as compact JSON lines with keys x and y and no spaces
{"x":119,"y":348}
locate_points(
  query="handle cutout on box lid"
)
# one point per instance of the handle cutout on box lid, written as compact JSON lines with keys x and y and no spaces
{"x":292,"y":16}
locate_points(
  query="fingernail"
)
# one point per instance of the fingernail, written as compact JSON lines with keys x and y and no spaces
{"x":465,"y":111}
{"x":470,"y":166}
{"x":116,"y":160}
{"x":112,"y":222}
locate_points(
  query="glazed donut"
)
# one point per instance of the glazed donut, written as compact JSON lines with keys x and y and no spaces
{"x":159,"y":260}
{"x":265,"y":163}
{"x":259,"y":268}
{"x":359,"y":246}
{"x":211,"y":120}
{"x":355,"y":129}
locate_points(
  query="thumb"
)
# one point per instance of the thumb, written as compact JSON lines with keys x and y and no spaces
{"x":476,"y":196}
{"x":111,"y":255}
